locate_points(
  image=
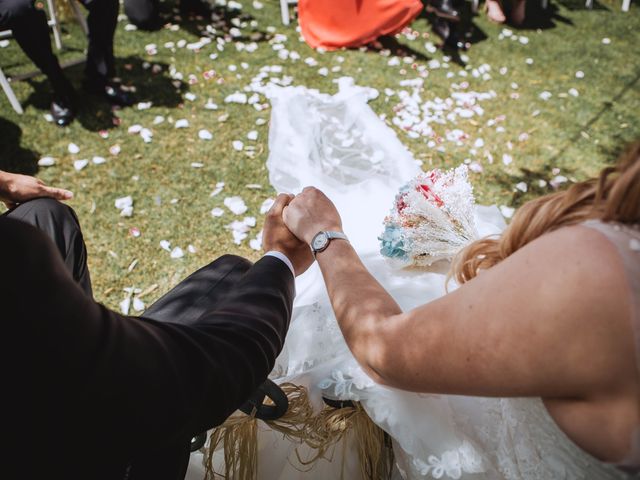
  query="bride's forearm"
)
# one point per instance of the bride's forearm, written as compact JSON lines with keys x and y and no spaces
{"x":362,"y":306}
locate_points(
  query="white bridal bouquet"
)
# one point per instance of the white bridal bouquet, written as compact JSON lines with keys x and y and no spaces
{"x":432,"y":218}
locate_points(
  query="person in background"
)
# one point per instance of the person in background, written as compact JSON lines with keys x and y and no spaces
{"x":28,"y":23}
{"x":353,"y":23}
{"x":495,"y":12}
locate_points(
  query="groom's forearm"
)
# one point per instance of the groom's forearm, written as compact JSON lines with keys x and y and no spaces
{"x":246,"y":333}
{"x":361,"y":305}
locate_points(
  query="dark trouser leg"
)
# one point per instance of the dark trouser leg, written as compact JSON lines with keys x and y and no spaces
{"x":102,"y":21}
{"x":143,"y":13}
{"x":191,"y":298}
{"x":29,"y":26}
{"x":60,"y":223}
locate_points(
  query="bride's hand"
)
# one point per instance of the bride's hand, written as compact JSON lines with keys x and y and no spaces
{"x":311,"y":212}
{"x":276,"y":236}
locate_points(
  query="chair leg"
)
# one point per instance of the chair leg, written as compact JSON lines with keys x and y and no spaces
{"x":544,"y":4}
{"x":80,"y":16}
{"x":284,"y":11}
{"x":625,"y":5}
{"x":9,"y":93}
{"x":53,"y":23}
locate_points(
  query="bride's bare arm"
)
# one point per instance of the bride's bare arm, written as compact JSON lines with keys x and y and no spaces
{"x":552,"y":320}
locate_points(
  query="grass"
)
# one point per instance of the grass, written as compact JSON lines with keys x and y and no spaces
{"x":571,"y":136}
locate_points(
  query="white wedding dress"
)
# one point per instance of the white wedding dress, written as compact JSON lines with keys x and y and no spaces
{"x":338,"y":144}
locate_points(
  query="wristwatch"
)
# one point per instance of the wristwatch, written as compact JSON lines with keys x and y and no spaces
{"x":322,"y":239}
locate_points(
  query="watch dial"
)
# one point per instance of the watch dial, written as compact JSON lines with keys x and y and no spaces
{"x":319,"y":241}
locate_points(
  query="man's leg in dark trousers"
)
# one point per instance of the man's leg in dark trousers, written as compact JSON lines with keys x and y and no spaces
{"x":102,"y":21}
{"x":60,"y":223}
{"x":31,"y":32}
{"x":197,"y":294}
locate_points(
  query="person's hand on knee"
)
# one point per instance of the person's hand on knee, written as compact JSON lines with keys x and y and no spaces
{"x":276,"y":236}
{"x":16,"y":188}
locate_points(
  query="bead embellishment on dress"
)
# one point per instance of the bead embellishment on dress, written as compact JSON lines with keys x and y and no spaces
{"x":634,"y":244}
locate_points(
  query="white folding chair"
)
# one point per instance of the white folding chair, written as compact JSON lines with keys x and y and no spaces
{"x":284,"y":10}
{"x":57,"y":40}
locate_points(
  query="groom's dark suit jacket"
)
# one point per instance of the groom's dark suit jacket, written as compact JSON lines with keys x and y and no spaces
{"x":84,"y":389}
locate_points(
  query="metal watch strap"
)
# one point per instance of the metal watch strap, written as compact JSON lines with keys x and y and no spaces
{"x":330,"y":236}
{"x":334,"y":235}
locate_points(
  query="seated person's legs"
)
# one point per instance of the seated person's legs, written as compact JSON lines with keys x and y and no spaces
{"x":60,"y":223}
{"x":31,"y":32}
{"x":100,"y":66}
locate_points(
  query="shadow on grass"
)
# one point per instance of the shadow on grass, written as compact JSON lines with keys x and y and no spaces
{"x":538,"y":18}
{"x":532,"y":178}
{"x":217,"y":24}
{"x":392,"y":44}
{"x":150,"y":82}
{"x":14,"y":158}
{"x":577,"y":5}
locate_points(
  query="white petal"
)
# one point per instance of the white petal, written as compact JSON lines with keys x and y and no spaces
{"x":205,"y":134}
{"x":123,"y":202}
{"x":125,"y":305}
{"x":236,"y":205}
{"x":507,"y":212}
{"x":80,"y":164}
{"x":46,"y":162}
{"x":138,"y":305}
{"x":177,"y":253}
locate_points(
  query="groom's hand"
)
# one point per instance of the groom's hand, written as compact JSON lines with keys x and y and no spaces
{"x":276,"y":236}
{"x":311,"y":212}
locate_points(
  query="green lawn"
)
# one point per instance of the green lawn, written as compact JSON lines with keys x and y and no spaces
{"x":567,"y":135}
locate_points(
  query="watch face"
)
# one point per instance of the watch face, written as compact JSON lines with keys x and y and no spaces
{"x":320,"y":241}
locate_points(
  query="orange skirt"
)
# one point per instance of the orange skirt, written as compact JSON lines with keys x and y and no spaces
{"x":333,"y":24}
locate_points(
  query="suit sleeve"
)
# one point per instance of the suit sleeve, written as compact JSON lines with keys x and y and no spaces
{"x":132,"y":380}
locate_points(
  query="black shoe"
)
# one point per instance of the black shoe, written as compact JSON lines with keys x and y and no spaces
{"x":444,"y":9}
{"x":62,"y":111}
{"x":111,"y":92}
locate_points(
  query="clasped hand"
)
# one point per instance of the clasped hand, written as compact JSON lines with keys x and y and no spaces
{"x":293,"y":221}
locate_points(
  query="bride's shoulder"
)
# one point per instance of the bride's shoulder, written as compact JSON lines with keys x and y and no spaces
{"x":578,"y":250}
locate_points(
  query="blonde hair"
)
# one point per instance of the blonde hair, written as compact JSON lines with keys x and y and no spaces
{"x":613,"y":196}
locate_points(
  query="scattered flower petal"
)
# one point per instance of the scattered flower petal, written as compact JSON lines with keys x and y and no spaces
{"x":236,"y":205}
{"x":46,"y":162}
